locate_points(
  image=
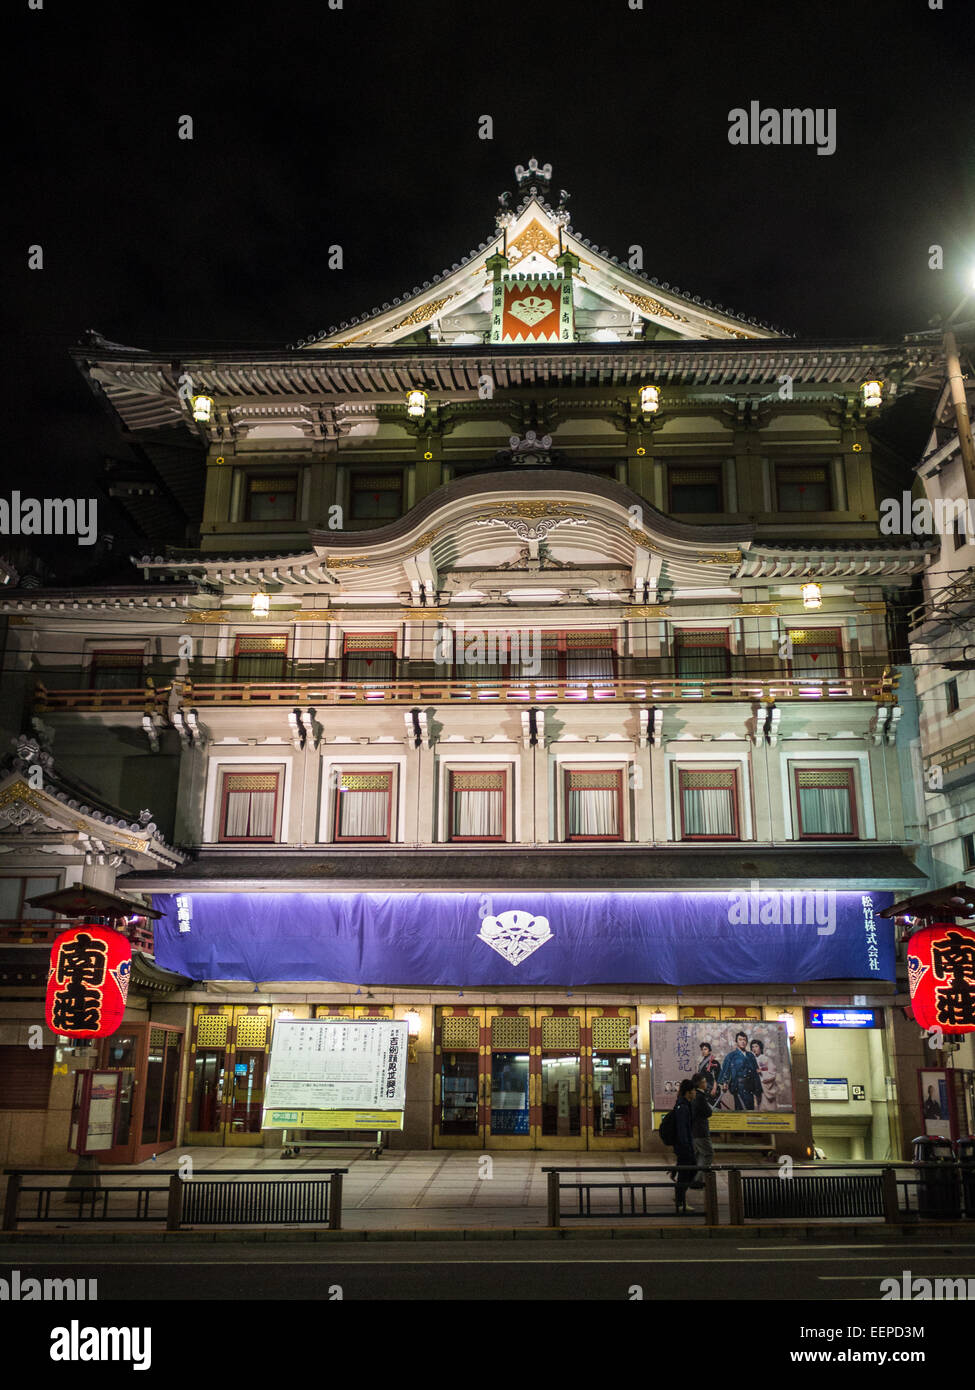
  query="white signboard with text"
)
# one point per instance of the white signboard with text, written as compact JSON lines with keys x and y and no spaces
{"x":337,"y":1064}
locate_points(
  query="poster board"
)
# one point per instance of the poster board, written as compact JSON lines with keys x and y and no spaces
{"x":744,"y":1095}
{"x":327,"y":1073}
{"x":95,"y":1111}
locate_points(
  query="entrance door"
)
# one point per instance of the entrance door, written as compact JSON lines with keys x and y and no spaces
{"x":553,"y":1077}
{"x":228,"y":1067}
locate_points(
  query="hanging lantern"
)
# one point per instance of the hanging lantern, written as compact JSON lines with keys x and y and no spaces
{"x":416,"y":404}
{"x":649,"y":399}
{"x":202,"y":409}
{"x":260,"y":605}
{"x":872,"y":393}
{"x":88,"y":982}
{"x":812,"y":596}
{"x":941,"y":974}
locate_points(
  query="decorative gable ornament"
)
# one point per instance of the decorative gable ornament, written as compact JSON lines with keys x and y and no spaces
{"x":515,"y":934}
{"x":88,"y":982}
{"x":941,"y":975}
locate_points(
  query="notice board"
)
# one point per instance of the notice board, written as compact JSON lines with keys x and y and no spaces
{"x":333,"y":1072}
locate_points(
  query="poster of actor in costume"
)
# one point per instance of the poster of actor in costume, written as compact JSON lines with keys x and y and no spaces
{"x":746,"y":1065}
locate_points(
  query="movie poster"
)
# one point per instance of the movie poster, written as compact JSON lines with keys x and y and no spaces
{"x":745,"y":1062}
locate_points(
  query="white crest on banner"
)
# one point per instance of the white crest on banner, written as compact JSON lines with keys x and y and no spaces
{"x":515,"y":934}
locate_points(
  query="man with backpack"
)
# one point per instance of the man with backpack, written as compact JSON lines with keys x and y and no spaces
{"x":676,"y":1131}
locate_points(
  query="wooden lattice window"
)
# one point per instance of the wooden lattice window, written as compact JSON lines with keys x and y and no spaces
{"x":702,"y":653}
{"x":249,"y":809}
{"x":116,"y":670}
{"x":260,"y":656}
{"x":369,"y":656}
{"x":478,"y":805}
{"x":588,"y":656}
{"x":826,"y":803}
{"x":708,"y":803}
{"x":593,"y":804}
{"x":363,"y":806}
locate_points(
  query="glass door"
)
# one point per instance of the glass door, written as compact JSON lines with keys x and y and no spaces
{"x":121,"y":1052}
{"x":228,"y":1067}
{"x":208,"y":1075}
{"x":512,"y":1089}
{"x":612,"y":1119}
{"x":562,"y":1079}
{"x":460,"y":1077}
{"x":251,"y":1042}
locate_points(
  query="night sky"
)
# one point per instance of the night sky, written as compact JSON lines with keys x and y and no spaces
{"x":360,"y":126}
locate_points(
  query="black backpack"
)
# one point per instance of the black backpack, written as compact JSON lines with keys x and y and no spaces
{"x":668,"y":1128}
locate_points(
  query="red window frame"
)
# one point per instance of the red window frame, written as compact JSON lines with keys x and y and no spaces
{"x":103,"y":652}
{"x":256,"y":651}
{"x":341,"y":839}
{"x":568,"y":774}
{"x":836,"y":646}
{"x":847,"y":774}
{"x":715,"y":772}
{"x":452,"y":775}
{"x":384,"y":646}
{"x":290,"y":481}
{"x":724,"y":645}
{"x":226,"y":789}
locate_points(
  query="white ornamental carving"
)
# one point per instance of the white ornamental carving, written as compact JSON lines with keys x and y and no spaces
{"x":515,"y":934}
{"x":530,"y":310}
{"x":16,"y":813}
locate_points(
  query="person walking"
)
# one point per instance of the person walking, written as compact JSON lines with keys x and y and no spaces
{"x":684,"y":1143}
{"x":701,"y":1129}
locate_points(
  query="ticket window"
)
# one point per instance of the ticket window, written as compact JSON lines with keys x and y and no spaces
{"x":120,"y":1053}
{"x":613,"y":1110}
{"x":458,"y":1093}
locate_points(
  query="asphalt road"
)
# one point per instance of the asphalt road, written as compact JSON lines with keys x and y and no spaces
{"x":494,"y":1270}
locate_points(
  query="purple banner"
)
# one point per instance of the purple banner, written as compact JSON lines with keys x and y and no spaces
{"x":459,"y":939}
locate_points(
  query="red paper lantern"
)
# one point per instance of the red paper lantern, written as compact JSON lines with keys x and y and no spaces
{"x":88,"y":982}
{"x":941,"y":972}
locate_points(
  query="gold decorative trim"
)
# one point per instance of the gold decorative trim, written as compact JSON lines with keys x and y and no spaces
{"x":426,"y":539}
{"x":212,"y":615}
{"x":354,"y":562}
{"x":313,"y":615}
{"x":535,"y":237}
{"x":426,"y":311}
{"x":647,"y":610}
{"x":535,"y":509}
{"x":428,"y":614}
{"x":756,"y":610}
{"x":873,"y":607}
{"x":649,"y":305}
{"x":18,"y":620}
{"x":723,"y":329}
{"x":721,"y":557}
{"x":643,"y":539}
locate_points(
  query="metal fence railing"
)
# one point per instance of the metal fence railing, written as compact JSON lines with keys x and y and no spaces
{"x":275,"y":1197}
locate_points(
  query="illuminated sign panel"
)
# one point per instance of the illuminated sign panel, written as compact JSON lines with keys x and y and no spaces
{"x":843,"y":1018}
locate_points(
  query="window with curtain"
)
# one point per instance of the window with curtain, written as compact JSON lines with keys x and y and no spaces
{"x":363,"y":805}
{"x":578,"y":656}
{"x":376,"y":496}
{"x":695,"y":489}
{"x":803,"y":489}
{"x":250,"y":803}
{"x":114,"y":670}
{"x":272,"y":499}
{"x":477,"y":805}
{"x":708,"y":803}
{"x":824,"y":797}
{"x":261,"y":656}
{"x":817,"y":652}
{"x":593,"y":805}
{"x":702,"y":653}
{"x":369,"y":656}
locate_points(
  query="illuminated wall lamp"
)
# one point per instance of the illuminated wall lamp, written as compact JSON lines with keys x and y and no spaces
{"x":649,"y":400}
{"x":812,"y":596}
{"x":872,"y":393}
{"x":413,"y":1025}
{"x":787,"y":1018}
{"x":260,"y":605}
{"x":202,"y":409}
{"x":658,"y":1016}
{"x":416,"y":404}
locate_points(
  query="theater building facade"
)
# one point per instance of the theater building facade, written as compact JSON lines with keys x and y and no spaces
{"x":534,"y":675}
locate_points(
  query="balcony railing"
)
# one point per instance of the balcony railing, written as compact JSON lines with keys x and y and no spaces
{"x":880,"y":685}
{"x":955,"y":755}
